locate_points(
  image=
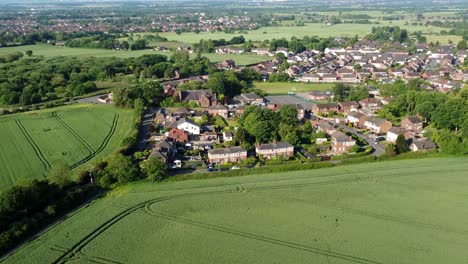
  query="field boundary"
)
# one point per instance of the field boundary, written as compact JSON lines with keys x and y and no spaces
{"x":33,"y":144}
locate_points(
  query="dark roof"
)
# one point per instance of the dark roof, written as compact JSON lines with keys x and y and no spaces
{"x":424,"y":144}
{"x":329,"y":105}
{"x":218,"y":107}
{"x":414,"y":119}
{"x":278,"y":145}
{"x":351,"y":103}
{"x":195,"y":94}
{"x":227,"y":150}
{"x":375,"y":120}
{"x":340,"y":137}
{"x":397,"y":130}
{"x":228,"y":134}
{"x":251,"y":96}
{"x":356,"y":114}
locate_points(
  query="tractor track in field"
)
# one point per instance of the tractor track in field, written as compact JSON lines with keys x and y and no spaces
{"x":100,"y":118}
{"x":74,"y":133}
{"x":92,"y":152}
{"x":33,"y":144}
{"x":146,"y":206}
{"x":274,"y":241}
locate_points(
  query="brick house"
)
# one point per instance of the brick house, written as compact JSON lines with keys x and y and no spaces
{"x":269,"y":151}
{"x":394,"y":132}
{"x":324,"y":108}
{"x":422,"y":144}
{"x":204,"y":98}
{"x":346,"y":107}
{"x":220,"y":110}
{"x":412,"y":123}
{"x":326,"y":127}
{"x":224,"y":155}
{"x":341,"y":143}
{"x":377,"y":125}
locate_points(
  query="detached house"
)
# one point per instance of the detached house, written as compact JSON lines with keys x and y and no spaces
{"x":178,"y":135}
{"x":224,"y":155}
{"x":269,"y":151}
{"x":377,"y":125}
{"x":204,"y":98}
{"x":412,"y":123}
{"x":341,"y":143}
{"x":187,"y":125}
{"x":422,"y":144}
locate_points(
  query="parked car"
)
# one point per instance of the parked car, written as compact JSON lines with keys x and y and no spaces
{"x":235,"y":168}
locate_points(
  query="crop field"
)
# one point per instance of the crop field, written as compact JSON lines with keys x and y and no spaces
{"x":295,"y":87}
{"x":54,"y":51}
{"x":31,"y":143}
{"x":409,"y":211}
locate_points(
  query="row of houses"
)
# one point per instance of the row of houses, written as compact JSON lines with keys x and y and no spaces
{"x":237,"y":154}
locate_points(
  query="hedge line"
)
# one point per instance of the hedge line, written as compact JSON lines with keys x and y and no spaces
{"x":245,"y":172}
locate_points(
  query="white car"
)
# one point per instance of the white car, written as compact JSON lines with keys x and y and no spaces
{"x":235,"y":168}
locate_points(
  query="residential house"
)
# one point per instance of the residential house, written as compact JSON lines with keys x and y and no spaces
{"x":165,"y":150}
{"x":178,"y":135}
{"x":204,"y":98}
{"x":272,"y":150}
{"x":317,"y":96}
{"x":346,"y":107}
{"x":228,"y":136}
{"x":370,"y":104}
{"x":325,"y":108}
{"x":412,"y":123}
{"x":394,"y":132}
{"x":355,"y":118}
{"x":220,"y":110}
{"x":326,"y":127}
{"x":209,"y":136}
{"x":224,"y":155}
{"x":187,"y":125}
{"x":250,"y":98}
{"x":308,"y":77}
{"x":422,"y":144}
{"x":226,"y":65}
{"x":341,"y":143}
{"x":377,"y":125}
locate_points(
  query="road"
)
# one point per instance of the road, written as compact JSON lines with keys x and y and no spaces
{"x":144,"y":133}
{"x":379,"y":150}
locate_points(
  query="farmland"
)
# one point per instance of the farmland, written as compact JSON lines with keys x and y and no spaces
{"x":409,"y":211}
{"x":295,"y":87}
{"x":33,"y":142}
{"x":54,"y":51}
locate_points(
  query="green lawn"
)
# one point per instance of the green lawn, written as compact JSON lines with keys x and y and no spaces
{"x":53,"y":51}
{"x":410,"y":211}
{"x":295,"y":87}
{"x":32,"y":142}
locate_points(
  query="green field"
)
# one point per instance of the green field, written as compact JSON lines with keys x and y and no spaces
{"x":33,"y":142}
{"x":54,"y":51}
{"x":310,"y":29}
{"x":410,"y":211}
{"x":295,"y":87}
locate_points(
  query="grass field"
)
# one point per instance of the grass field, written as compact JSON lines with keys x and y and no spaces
{"x":410,"y":211}
{"x":54,"y":51}
{"x":33,"y":142}
{"x":295,"y":87}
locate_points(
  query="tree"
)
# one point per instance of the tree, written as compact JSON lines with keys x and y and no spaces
{"x":122,"y":169}
{"x":451,"y":114}
{"x":401,"y":145}
{"x":288,"y":115}
{"x":29,"y":53}
{"x":180,"y":56}
{"x":358,"y":93}
{"x":341,"y":91}
{"x":60,"y":174}
{"x":462,"y":45}
{"x":155,"y":169}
